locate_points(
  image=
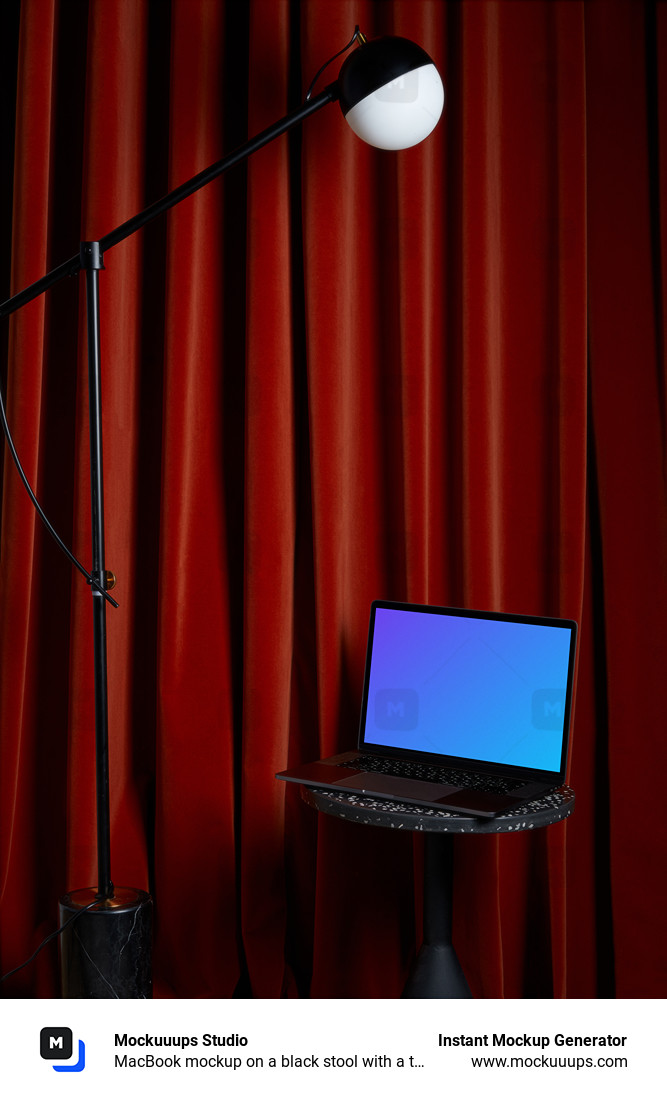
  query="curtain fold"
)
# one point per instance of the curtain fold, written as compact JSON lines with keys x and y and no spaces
{"x":627,"y":373}
{"x":335,"y":374}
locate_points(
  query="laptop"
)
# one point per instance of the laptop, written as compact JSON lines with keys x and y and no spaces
{"x":466,"y":711}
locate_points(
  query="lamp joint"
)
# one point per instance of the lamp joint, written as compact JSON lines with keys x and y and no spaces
{"x":91,"y":256}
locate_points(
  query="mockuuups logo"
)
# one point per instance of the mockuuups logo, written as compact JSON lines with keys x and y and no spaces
{"x":56,"y":1043}
{"x":396,"y":709}
{"x":548,"y":708}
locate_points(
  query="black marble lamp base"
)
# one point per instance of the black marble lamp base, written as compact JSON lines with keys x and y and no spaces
{"x":106,"y":952}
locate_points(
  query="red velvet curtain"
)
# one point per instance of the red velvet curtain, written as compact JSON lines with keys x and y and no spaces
{"x":334,"y":375}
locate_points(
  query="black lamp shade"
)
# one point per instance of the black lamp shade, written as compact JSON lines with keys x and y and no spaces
{"x":390,"y":92}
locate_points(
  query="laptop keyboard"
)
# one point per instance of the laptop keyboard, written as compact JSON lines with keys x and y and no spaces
{"x":489,"y":784}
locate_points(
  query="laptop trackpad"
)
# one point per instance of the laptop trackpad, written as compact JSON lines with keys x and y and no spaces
{"x":395,"y":786}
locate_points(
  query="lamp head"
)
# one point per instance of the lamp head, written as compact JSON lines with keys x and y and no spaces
{"x":390,"y":92}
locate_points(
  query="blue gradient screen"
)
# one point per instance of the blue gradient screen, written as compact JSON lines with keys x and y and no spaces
{"x":484,"y":689}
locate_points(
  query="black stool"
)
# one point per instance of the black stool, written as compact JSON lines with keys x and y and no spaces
{"x":437,"y":972}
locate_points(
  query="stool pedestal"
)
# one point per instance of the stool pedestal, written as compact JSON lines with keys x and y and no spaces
{"x":437,"y":973}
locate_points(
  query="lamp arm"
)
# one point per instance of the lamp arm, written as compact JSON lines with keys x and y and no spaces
{"x":73,"y":265}
{"x":329,"y":95}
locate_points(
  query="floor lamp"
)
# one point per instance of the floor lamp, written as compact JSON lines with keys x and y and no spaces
{"x":391,"y":94}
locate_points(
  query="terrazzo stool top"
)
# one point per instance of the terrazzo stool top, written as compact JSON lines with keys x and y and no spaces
{"x":385,"y":813}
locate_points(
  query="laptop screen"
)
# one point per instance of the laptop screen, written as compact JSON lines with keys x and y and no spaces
{"x":468,"y":684}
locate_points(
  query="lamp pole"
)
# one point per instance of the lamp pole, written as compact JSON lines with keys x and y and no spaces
{"x":91,"y":261}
